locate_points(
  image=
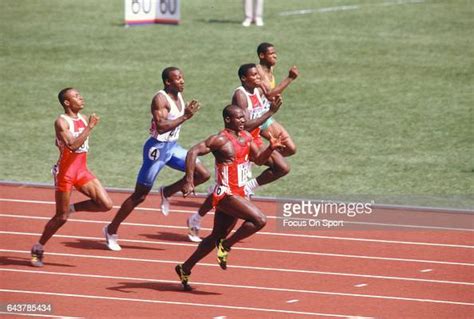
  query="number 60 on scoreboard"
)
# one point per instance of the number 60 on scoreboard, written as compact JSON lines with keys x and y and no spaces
{"x":151,"y":11}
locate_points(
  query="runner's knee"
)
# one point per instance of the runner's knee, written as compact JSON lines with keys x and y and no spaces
{"x":61,"y":218}
{"x":283,"y":169}
{"x":260,"y":221}
{"x":138,"y":198}
{"x":106,"y":204}
{"x":290,"y":150}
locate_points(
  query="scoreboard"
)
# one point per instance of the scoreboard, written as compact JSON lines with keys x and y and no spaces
{"x":151,"y":11}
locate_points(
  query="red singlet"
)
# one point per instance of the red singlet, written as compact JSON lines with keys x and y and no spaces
{"x":71,"y":168}
{"x":232,"y":177}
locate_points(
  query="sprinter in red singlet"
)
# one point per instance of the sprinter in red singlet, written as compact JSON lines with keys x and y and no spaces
{"x":72,"y":139}
{"x":250,"y":98}
{"x":233,"y":149}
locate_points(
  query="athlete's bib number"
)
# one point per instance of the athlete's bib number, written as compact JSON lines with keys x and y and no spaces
{"x":174,"y":134}
{"x":153,"y":153}
{"x":243,"y":173}
{"x":257,"y":112}
{"x":220,"y":190}
{"x":85,"y":146}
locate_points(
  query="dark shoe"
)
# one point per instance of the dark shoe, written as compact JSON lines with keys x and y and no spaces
{"x":183,"y":277}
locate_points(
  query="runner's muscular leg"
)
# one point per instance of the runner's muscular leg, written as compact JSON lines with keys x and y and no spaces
{"x":99,"y":199}
{"x":206,"y":206}
{"x":277,"y":167}
{"x":137,"y":197}
{"x":60,"y":217}
{"x":239,"y":207}
{"x":275,"y":129}
{"x":223,"y":224}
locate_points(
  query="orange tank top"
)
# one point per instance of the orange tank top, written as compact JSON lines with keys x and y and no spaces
{"x":66,"y":155}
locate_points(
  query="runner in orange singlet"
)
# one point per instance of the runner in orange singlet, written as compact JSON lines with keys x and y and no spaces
{"x":72,"y":139}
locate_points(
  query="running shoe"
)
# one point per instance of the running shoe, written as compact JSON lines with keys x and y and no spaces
{"x":222,"y":254}
{"x":111,"y":240}
{"x":183,"y":277}
{"x":37,"y":257}
{"x":165,"y":204}
{"x":193,"y":230}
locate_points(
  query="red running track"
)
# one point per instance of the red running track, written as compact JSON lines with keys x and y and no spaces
{"x":421,"y":270}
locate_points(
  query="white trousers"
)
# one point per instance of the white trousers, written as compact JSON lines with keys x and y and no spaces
{"x":253,"y":9}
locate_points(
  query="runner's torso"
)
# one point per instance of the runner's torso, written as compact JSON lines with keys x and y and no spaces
{"x":234,"y":175}
{"x":76,"y":126}
{"x":173,"y":113}
{"x":256,"y":106}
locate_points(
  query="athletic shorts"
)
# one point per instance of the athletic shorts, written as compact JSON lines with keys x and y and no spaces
{"x":266,"y":124}
{"x":222,"y":191}
{"x":156,"y":155}
{"x":75,"y":174}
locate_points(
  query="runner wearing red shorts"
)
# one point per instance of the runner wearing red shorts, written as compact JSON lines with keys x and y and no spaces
{"x":72,"y":139}
{"x":233,"y":149}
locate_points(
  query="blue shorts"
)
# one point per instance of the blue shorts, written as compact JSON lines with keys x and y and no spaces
{"x":156,"y":155}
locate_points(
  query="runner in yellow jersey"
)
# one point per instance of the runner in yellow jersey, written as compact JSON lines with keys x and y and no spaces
{"x":268,"y":58}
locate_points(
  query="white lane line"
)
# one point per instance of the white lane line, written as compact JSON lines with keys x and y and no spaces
{"x":321,"y":10}
{"x":292,"y":301}
{"x":426,"y":270}
{"x":155,"y":301}
{"x":259,"y":250}
{"x":286,"y":270}
{"x":347,"y":7}
{"x":261,"y":199}
{"x":304,"y":291}
{"x":258,"y":233}
{"x":360,"y":285}
{"x":271,"y":217}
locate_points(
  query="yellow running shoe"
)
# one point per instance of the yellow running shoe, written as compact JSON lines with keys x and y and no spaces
{"x":37,"y":257}
{"x":183,"y":277}
{"x":222,"y":254}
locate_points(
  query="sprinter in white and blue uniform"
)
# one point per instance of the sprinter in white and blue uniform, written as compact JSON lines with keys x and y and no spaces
{"x":169,"y":112}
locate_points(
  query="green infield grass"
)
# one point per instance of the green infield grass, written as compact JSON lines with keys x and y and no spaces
{"x":383,"y":105}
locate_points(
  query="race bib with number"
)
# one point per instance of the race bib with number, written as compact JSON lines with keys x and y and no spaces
{"x":243,"y":173}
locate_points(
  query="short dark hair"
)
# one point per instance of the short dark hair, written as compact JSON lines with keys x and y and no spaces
{"x":244,"y":68}
{"x":62,"y":95}
{"x":165,"y":75}
{"x":227,"y":112}
{"x":263,"y":47}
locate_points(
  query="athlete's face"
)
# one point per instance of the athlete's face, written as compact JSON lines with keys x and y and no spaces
{"x":252,"y":78}
{"x":74,"y":100}
{"x":236,"y":120}
{"x":270,"y":56}
{"x":176,"y":80}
